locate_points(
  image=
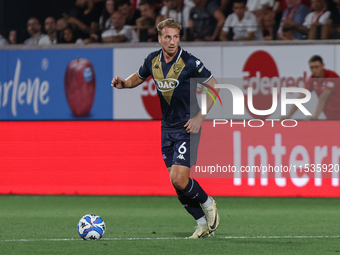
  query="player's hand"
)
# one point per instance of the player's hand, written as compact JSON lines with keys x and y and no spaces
{"x":118,"y":82}
{"x":193,"y":125}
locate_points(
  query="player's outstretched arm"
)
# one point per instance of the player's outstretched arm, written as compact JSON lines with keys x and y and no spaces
{"x":321,"y":104}
{"x":132,"y":81}
{"x":193,"y":125}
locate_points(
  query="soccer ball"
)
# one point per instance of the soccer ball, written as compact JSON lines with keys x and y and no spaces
{"x":91,"y":227}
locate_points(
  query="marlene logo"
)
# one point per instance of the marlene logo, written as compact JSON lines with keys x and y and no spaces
{"x":204,"y":99}
{"x":19,"y":92}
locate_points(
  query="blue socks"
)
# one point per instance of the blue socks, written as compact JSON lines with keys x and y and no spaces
{"x":193,"y":207}
{"x":191,"y":197}
{"x":195,"y":192}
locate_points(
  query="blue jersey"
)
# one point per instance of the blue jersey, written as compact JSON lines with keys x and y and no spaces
{"x":173,"y":85}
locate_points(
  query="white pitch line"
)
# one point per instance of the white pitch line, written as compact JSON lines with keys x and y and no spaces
{"x":171,"y":238}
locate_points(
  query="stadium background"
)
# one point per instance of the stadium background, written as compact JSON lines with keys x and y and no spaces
{"x":116,"y":148}
{"x":15,"y":13}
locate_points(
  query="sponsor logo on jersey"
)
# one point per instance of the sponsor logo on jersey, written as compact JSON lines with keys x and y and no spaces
{"x":167,"y":84}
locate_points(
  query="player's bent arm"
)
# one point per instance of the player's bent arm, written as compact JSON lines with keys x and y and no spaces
{"x":322,"y":102}
{"x":194,"y":124}
{"x":133,"y":81}
{"x":292,"y":109}
{"x":212,"y":82}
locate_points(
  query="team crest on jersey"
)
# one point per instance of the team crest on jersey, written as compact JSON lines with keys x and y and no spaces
{"x":156,"y":66}
{"x":177,"y":68}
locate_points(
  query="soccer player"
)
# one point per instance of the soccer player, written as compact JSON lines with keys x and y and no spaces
{"x":326,"y":85}
{"x":171,"y":67}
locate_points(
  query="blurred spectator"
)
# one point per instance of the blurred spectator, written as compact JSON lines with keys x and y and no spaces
{"x":267,"y":21}
{"x":13,"y":37}
{"x":34,"y":30}
{"x":325,"y":83}
{"x":315,"y":19}
{"x":255,"y":6}
{"x":332,"y":28}
{"x":69,"y":36}
{"x":61,"y":24}
{"x":142,"y":33}
{"x":177,"y":10}
{"x":120,"y":32}
{"x":3,"y":40}
{"x":51,"y":29}
{"x":268,"y":14}
{"x":104,"y":20}
{"x":130,"y":14}
{"x":243,"y":24}
{"x":147,"y":11}
{"x":287,"y":34}
{"x":226,"y":6}
{"x":292,"y":16}
{"x":85,"y":16}
{"x":205,"y":21}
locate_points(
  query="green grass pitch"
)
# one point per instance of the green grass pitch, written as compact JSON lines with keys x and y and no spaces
{"x":158,"y":225}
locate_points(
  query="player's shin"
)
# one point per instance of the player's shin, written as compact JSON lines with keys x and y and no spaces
{"x":193,"y":207}
{"x":195,"y":192}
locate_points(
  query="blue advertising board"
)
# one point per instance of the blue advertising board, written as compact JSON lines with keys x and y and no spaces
{"x":56,"y":84}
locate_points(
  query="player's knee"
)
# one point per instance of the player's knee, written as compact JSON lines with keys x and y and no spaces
{"x":179,"y":182}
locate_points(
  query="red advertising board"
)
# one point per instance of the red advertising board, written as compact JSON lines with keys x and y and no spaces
{"x":124,"y":158}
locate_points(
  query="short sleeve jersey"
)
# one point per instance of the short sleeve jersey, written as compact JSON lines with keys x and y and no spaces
{"x":330,"y":81}
{"x":173,"y":85}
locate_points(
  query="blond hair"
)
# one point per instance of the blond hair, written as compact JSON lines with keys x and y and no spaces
{"x":168,"y":23}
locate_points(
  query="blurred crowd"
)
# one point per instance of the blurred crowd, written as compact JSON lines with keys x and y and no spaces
{"x":107,"y":21}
